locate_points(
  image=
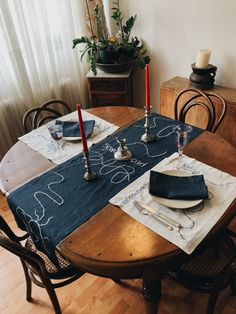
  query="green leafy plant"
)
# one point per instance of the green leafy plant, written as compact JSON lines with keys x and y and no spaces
{"x":119,"y":50}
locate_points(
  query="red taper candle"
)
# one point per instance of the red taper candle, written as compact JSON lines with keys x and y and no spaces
{"x":147,"y":87}
{"x":81,"y":126}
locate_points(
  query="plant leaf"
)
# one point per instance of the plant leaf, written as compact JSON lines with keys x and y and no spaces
{"x":129,"y":24}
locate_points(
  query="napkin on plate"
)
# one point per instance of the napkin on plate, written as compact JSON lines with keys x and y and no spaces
{"x":175,"y":187}
{"x":71,"y":128}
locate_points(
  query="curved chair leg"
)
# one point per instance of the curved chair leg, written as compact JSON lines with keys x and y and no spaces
{"x":52,"y":294}
{"x":212,"y":301}
{"x":28,"y":282}
{"x":233,"y":286}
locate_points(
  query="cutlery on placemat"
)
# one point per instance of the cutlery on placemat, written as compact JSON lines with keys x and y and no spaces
{"x":145,"y":211}
{"x":162,"y":216}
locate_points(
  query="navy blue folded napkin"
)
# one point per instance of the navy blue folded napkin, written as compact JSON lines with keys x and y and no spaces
{"x":71,"y":128}
{"x":175,"y":187}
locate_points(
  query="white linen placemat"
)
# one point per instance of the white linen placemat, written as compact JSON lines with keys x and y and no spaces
{"x":41,"y":141}
{"x":196,"y":222}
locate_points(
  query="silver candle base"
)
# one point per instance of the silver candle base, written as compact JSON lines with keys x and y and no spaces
{"x":89,"y":174}
{"x":122,"y":152}
{"x":147,"y":136}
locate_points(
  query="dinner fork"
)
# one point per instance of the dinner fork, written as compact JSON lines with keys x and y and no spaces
{"x":144,"y":211}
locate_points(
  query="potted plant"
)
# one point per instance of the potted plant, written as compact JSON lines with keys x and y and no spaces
{"x":113,"y":54}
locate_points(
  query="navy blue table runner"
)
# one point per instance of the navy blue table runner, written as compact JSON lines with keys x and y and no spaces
{"x":51,"y":206}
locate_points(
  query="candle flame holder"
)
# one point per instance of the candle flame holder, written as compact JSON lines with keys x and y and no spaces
{"x":89,"y":174}
{"x":147,"y":136}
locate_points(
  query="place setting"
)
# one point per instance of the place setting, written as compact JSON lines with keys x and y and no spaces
{"x":177,"y":204}
{"x":182,"y":187}
{"x":70,"y":143}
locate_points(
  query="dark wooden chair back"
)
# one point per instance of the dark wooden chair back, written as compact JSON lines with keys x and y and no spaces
{"x":37,"y":116}
{"x":34,"y":265}
{"x":214,"y":106}
{"x":57,"y":104}
{"x":49,"y":110}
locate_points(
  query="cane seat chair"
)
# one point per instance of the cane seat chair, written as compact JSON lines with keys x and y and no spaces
{"x":210,"y":271}
{"x":191,"y":98}
{"x":37,"y":266}
{"x":37,"y":116}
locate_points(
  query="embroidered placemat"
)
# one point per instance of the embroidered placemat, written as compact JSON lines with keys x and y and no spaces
{"x":40,"y":140}
{"x":197,"y":221}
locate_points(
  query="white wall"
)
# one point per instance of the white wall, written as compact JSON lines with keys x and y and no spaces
{"x":174,"y":31}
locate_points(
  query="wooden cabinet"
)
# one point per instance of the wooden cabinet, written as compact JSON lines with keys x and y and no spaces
{"x":171,"y":88}
{"x":106,"y":89}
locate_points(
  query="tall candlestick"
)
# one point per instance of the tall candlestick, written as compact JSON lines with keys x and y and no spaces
{"x":81,"y":126}
{"x":147,"y":87}
{"x":203,"y":57}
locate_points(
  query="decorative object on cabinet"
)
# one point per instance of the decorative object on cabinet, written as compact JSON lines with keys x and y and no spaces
{"x":203,"y":75}
{"x":107,"y":89}
{"x":203,"y":78}
{"x":171,"y":88}
{"x":116,"y":53}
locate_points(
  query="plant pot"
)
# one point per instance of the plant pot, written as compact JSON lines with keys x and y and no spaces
{"x":115,"y":67}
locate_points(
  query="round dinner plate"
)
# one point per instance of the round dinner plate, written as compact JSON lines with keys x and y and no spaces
{"x":177,"y":204}
{"x":71,"y":139}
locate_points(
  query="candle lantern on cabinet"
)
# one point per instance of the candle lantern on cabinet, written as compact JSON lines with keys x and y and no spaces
{"x":203,"y":75}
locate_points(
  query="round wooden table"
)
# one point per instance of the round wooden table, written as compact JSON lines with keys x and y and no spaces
{"x":111,"y":243}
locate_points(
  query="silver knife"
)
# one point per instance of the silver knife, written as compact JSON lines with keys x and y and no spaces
{"x":162,"y":216}
{"x":145,"y":211}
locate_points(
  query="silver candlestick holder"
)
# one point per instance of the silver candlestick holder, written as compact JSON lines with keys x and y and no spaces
{"x":89,"y":174}
{"x":147,"y":136}
{"x":122,"y":152}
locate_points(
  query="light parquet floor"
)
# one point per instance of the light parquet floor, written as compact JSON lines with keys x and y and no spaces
{"x":95,"y":295}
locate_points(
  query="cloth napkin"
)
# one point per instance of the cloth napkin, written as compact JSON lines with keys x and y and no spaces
{"x":71,"y":129}
{"x":175,"y":187}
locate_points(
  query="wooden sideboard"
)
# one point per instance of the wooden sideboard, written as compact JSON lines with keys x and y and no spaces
{"x":108,"y":89}
{"x":171,"y":88}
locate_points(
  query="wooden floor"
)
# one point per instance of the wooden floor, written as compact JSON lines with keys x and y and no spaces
{"x":94,"y":295}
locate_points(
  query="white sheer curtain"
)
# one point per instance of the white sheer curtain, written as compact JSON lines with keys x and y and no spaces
{"x":37,"y":62}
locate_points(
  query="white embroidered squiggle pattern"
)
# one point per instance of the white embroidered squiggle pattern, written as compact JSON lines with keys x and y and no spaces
{"x":146,"y":148}
{"x":170,"y":127}
{"x":109,"y":166}
{"x":40,"y":214}
{"x":121,"y":172}
{"x":153,"y":124}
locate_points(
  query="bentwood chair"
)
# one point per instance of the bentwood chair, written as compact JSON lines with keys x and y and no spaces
{"x":57,"y":104}
{"x":193,"y":99}
{"x":49,"y":110}
{"x":211,"y":270}
{"x":37,"y":266}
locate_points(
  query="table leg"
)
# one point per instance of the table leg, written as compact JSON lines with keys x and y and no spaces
{"x":152,"y":287}
{"x":152,"y":291}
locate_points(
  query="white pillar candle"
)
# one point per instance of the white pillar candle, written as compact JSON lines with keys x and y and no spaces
{"x":203,"y":57}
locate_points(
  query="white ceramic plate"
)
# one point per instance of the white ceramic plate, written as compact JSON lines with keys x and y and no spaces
{"x":71,"y":139}
{"x":177,"y":204}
